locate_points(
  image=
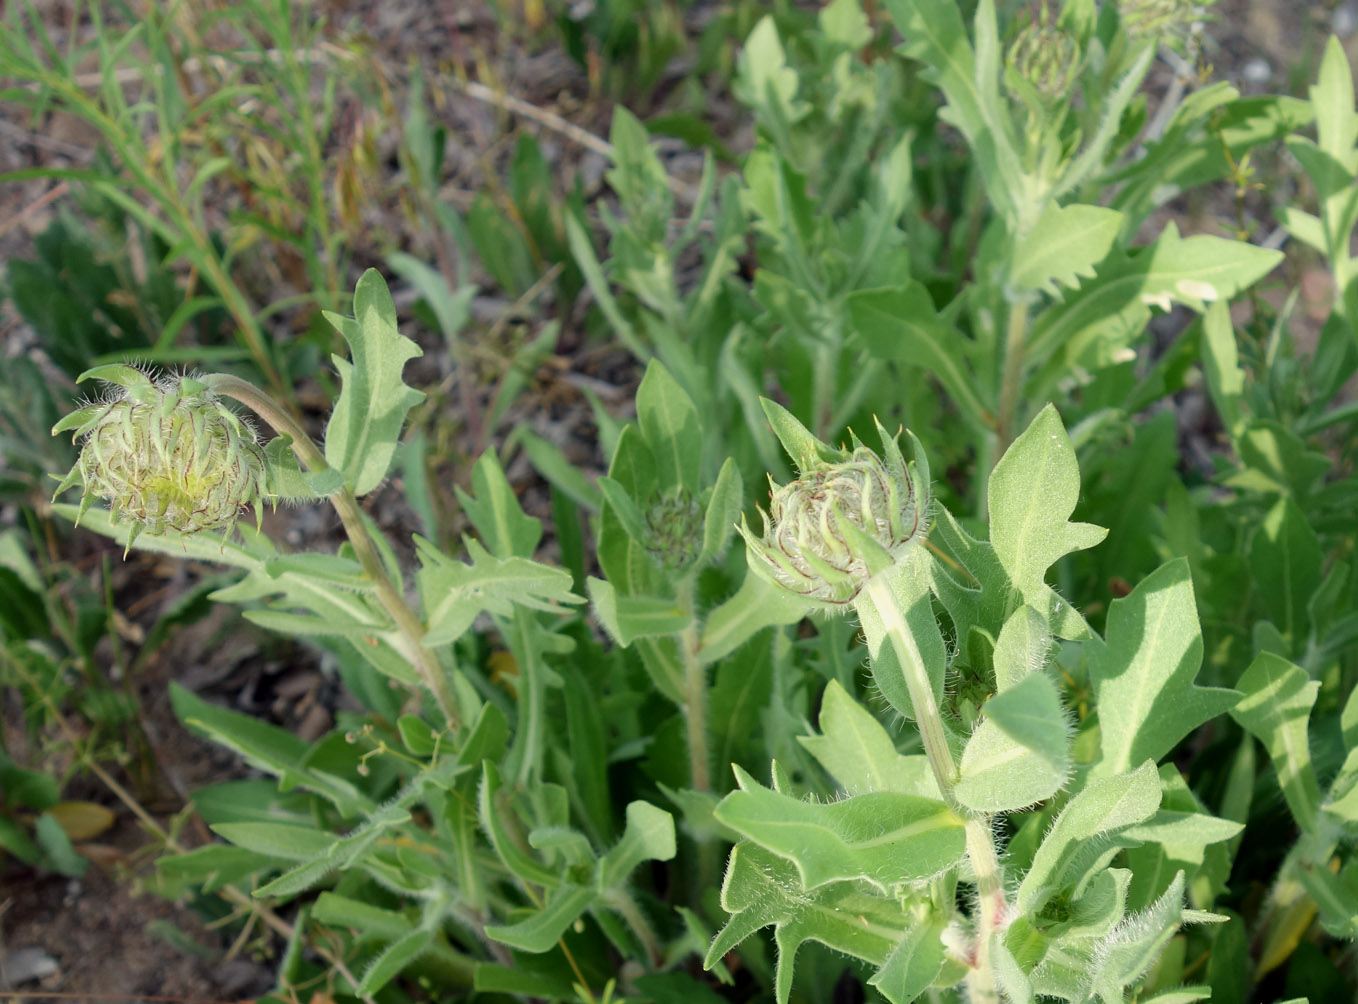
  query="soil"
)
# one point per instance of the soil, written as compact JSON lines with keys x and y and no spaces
{"x":105,"y":936}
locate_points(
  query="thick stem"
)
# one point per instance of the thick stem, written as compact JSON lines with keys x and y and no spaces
{"x":990,"y":894}
{"x":695,"y":711}
{"x":1011,"y":380}
{"x":365,"y":549}
{"x":928,"y":718}
{"x":700,"y":757}
{"x":980,"y":842}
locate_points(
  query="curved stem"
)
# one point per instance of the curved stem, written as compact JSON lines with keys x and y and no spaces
{"x":356,"y":529}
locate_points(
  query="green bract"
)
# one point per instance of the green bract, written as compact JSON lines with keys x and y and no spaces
{"x":851,"y":514}
{"x":167,"y":454}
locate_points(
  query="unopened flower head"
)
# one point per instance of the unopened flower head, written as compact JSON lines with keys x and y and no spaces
{"x":1046,"y":56}
{"x":1168,"y":20}
{"x":167,"y":454}
{"x":675,"y":524}
{"x":850,"y":515}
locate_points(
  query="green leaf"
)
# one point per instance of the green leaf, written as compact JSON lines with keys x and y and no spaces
{"x":493,"y":807}
{"x":393,"y":959}
{"x":1022,"y":647}
{"x":935,"y":36}
{"x":494,"y":510}
{"x":762,"y":889}
{"x":1030,"y":713}
{"x":215,"y":865}
{"x":455,"y":594}
{"x":672,"y":429}
{"x":1104,"y":807}
{"x":908,"y":583}
{"x":540,"y":931}
{"x":756,"y":605}
{"x":914,"y":963}
{"x":1286,"y":560}
{"x":266,"y":747}
{"x":1063,"y":246}
{"x":999,"y":774}
{"x":1033,"y":491}
{"x":361,"y":436}
{"x":859,"y":754}
{"x":1276,"y":706}
{"x":649,"y":836}
{"x":278,"y":840}
{"x":627,"y":618}
{"x":845,"y":24}
{"x":883,"y":838}
{"x":451,"y":309}
{"x":1129,"y":951}
{"x":722,"y":513}
{"x":57,"y":852}
{"x":900,"y":323}
{"x":1338,"y":903}
{"x":1332,"y":98}
{"x":1092,"y":326}
{"x":1143,"y":675}
{"x":1221,"y":365}
{"x":763,"y":78}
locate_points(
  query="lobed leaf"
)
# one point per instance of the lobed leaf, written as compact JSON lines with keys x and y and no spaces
{"x":1143,"y":674}
{"x":883,"y":838}
{"x":361,"y":436}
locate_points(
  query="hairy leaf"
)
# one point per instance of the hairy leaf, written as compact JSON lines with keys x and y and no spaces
{"x":883,"y":838}
{"x":361,"y":436}
{"x":1143,"y":675}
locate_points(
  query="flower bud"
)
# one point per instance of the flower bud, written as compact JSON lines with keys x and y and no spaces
{"x":167,"y":454}
{"x":1167,"y":20}
{"x":850,"y":515}
{"x":1045,"y":56}
{"x":674,"y":524}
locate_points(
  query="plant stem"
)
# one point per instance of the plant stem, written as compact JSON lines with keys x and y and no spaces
{"x":356,"y":529}
{"x":695,"y":711}
{"x":928,"y":719}
{"x":1011,"y":380}
{"x":980,"y":842}
{"x":990,"y":893}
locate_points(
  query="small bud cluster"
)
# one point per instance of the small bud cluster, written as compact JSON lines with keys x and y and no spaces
{"x":840,"y":523}
{"x":1047,"y":57}
{"x":1168,"y":20}
{"x":167,"y":454}
{"x":675,"y":529}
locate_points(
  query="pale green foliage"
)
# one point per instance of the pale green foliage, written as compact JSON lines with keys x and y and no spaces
{"x":360,"y":438}
{"x":980,"y":811}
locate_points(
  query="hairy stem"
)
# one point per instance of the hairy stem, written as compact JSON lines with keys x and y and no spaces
{"x":356,"y":529}
{"x":928,"y":719}
{"x":699,"y":754}
{"x":990,"y":893}
{"x":1011,"y":381}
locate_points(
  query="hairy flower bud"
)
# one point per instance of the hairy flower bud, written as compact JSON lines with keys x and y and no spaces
{"x":1045,"y":56}
{"x":167,"y":454}
{"x":1168,"y":20}
{"x":674,"y":522}
{"x":850,"y":515}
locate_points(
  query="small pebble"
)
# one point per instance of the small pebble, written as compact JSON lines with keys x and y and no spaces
{"x":1257,"y":71}
{"x":1345,"y":20}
